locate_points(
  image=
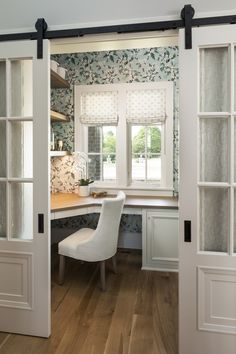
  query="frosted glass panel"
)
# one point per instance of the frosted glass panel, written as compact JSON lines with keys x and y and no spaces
{"x":2,"y":209}
{"x":21,"y":88}
{"x":2,"y":149}
{"x":214,"y":139}
{"x":235,"y":150}
{"x":2,"y":89}
{"x":22,"y":210}
{"x":235,"y":79}
{"x":21,"y":149}
{"x":214,"y":85}
{"x":214,"y":219}
{"x":234,"y":221}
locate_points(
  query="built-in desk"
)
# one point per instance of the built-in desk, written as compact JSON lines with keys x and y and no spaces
{"x":69,"y":204}
{"x":159,"y":223}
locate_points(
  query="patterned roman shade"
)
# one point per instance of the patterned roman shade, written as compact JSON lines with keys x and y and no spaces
{"x":99,"y":108}
{"x":146,"y":106}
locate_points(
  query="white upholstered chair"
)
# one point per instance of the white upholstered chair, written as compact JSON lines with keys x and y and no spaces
{"x":95,"y":245}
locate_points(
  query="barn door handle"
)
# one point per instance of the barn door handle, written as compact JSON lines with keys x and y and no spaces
{"x":187,"y":231}
{"x":40,"y":223}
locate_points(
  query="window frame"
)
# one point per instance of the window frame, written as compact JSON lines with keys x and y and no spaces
{"x":123,"y":138}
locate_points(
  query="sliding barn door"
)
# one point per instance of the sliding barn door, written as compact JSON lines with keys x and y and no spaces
{"x":208,"y":192}
{"x":24,"y":189}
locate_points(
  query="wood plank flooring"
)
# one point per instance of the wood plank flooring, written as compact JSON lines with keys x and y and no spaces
{"x":138,"y":314}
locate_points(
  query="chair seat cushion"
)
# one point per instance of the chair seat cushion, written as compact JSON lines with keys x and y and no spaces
{"x":69,"y":246}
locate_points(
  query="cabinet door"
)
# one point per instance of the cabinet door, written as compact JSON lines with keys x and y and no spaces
{"x":161,"y":240}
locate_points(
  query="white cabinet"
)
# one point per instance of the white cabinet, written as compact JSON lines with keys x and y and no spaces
{"x":160,"y":240}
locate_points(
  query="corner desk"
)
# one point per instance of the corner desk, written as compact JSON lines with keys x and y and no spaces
{"x":159,"y":223}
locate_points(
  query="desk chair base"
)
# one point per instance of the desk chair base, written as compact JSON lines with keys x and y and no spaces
{"x":61,"y":276}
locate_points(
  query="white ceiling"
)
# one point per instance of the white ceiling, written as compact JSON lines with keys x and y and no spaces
{"x":21,"y":14}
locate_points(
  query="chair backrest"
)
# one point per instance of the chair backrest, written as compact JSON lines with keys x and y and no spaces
{"x":106,"y":233}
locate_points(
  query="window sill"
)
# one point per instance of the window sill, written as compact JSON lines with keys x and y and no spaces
{"x":134,"y":189}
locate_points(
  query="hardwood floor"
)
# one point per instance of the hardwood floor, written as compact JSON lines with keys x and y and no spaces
{"x":138,"y":314}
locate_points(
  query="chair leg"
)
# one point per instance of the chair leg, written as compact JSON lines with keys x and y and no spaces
{"x":103,"y":275}
{"x":114,"y":264}
{"x":61,"y":269}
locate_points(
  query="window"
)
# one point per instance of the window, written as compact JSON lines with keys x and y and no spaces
{"x":127,"y":132}
{"x":102,"y":153}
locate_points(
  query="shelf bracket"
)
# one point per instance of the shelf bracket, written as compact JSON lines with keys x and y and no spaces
{"x":187,"y":14}
{"x":41,"y":27}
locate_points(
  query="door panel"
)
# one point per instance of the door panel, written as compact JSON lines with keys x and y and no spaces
{"x":207,"y":190}
{"x":24,"y":189}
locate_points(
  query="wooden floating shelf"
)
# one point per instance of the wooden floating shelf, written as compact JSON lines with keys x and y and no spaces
{"x":58,"y":117}
{"x":59,"y":153}
{"x":57,"y":81}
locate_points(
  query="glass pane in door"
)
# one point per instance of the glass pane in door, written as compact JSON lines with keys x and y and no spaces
{"x":2,"y":148}
{"x":214,"y":80}
{"x":2,"y":209}
{"x":235,"y":79}
{"x":214,"y":150}
{"x":214,"y":219}
{"x":234,"y":149}
{"x":3,"y":89}
{"x":21,"y":147}
{"x":21,"y":88}
{"x":21,"y":211}
{"x":234,"y":221}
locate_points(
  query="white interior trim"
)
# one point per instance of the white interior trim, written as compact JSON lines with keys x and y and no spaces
{"x":114,"y":41}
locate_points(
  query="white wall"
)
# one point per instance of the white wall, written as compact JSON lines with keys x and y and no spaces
{"x":16,"y":15}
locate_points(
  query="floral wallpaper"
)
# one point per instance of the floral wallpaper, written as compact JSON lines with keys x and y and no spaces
{"x":121,"y":66}
{"x":62,"y":174}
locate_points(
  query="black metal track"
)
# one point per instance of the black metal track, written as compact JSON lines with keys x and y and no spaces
{"x":140,"y":27}
{"x":186,"y":22}
{"x":129,"y":28}
{"x":18,"y":36}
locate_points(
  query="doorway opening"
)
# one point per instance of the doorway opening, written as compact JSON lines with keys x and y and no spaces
{"x":141,"y":295}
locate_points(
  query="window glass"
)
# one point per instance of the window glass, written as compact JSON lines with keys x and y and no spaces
{"x":102,"y":153}
{"x":146,"y":153}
